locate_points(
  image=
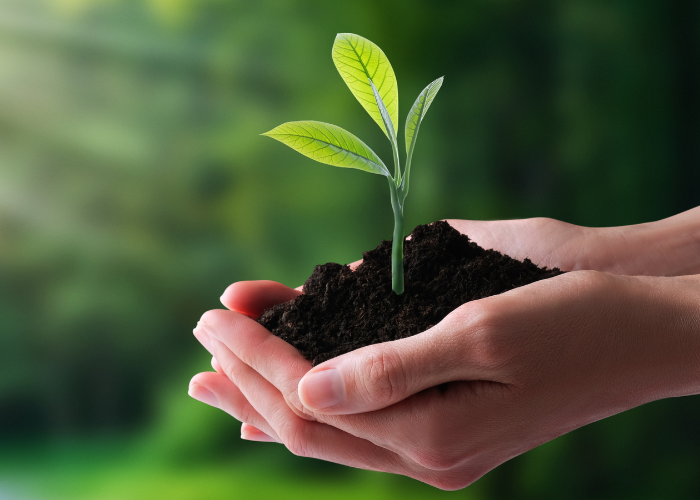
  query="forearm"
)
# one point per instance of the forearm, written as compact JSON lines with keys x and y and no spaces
{"x":669,"y":247}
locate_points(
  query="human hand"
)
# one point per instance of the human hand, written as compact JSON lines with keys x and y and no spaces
{"x":496,"y":378}
{"x":511,"y":237}
{"x":669,"y":247}
{"x":559,"y":244}
{"x":265,"y":412}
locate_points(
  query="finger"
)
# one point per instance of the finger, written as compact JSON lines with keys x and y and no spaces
{"x":252,"y":433}
{"x":203,"y":339}
{"x":439,"y":428}
{"x":216,"y":366}
{"x":253,"y":297}
{"x":380,"y":375}
{"x":303,"y":437}
{"x":277,"y":361}
{"x":379,"y":427}
{"x":318,"y":440}
{"x":218,"y":391}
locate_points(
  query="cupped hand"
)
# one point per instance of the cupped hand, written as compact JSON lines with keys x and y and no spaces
{"x":669,"y":247}
{"x":494,"y":379}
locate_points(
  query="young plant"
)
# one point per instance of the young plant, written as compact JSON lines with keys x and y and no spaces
{"x":371,"y":79}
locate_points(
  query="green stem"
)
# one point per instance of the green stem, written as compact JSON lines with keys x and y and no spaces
{"x":397,"y":242}
{"x":397,"y":164}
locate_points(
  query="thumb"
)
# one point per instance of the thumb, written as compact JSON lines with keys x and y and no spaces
{"x":381,"y":375}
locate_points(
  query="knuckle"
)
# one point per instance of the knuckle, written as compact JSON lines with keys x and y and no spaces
{"x":293,"y":435}
{"x":481,"y":314}
{"x":244,"y":413}
{"x":384,"y":378}
{"x":231,"y":372}
{"x":292,"y":399}
{"x":491,"y":347}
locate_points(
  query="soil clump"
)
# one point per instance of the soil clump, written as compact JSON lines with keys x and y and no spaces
{"x":342,"y":310}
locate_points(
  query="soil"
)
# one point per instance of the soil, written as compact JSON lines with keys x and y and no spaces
{"x":342,"y":310}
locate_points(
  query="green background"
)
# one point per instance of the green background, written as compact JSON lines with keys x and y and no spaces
{"x":134,"y":188}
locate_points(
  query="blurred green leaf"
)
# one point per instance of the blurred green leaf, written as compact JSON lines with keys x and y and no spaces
{"x":328,"y":144}
{"x":358,"y":60}
{"x":418,"y":110}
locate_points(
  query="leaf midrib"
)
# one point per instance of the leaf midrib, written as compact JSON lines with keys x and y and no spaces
{"x":344,"y":149}
{"x":364,"y":67}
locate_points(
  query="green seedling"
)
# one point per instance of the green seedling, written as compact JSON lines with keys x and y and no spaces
{"x":371,"y":79}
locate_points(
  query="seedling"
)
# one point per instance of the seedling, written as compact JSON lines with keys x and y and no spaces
{"x":371,"y":79}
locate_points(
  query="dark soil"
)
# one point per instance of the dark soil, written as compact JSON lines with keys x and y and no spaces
{"x":342,"y":310}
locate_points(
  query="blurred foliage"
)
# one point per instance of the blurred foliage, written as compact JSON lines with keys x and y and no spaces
{"x":134,"y":188}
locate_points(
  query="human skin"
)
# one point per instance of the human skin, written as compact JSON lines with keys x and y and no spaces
{"x":496,"y":377}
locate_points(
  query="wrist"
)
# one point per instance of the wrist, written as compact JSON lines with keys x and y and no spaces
{"x":669,"y":247}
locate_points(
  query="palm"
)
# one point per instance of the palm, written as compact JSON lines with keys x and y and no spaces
{"x":546,"y":242}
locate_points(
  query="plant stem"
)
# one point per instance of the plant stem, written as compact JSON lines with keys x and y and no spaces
{"x":397,"y":163}
{"x":397,"y":242}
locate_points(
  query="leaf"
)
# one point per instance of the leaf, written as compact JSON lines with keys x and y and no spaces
{"x":357,"y":60}
{"x":420,"y":107}
{"x":328,"y":144}
{"x":384,"y":113}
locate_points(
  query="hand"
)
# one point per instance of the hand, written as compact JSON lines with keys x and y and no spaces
{"x":554,"y":243}
{"x":496,"y":378}
{"x":670,"y":247}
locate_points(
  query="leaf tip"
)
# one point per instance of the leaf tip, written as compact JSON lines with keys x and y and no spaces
{"x":270,"y":133}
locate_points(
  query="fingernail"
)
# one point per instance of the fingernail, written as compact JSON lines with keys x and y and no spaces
{"x":204,"y":395}
{"x":250,"y":433}
{"x":320,"y":390}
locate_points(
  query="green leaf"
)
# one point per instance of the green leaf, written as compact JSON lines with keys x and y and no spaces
{"x":358,"y":60}
{"x":384,"y":113}
{"x":328,"y":144}
{"x":420,"y":107}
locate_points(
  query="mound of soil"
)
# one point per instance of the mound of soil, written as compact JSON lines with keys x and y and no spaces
{"x":342,"y":310}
